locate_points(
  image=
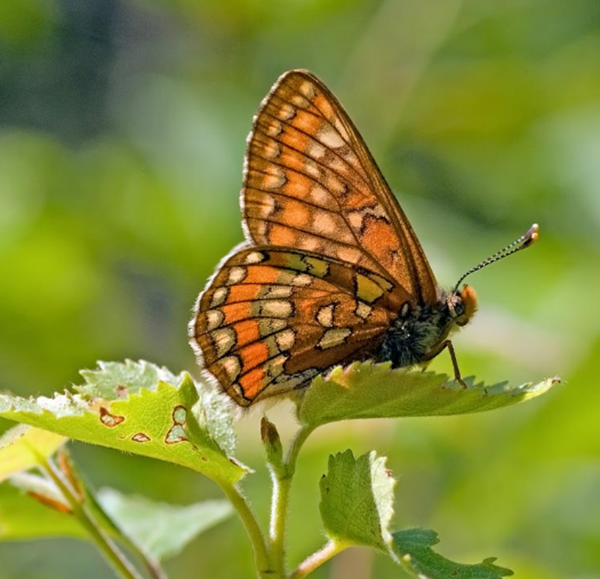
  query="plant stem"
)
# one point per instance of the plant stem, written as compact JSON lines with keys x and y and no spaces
{"x":104,"y":543}
{"x":155,"y":571}
{"x":282,"y":476}
{"x":70,"y":471}
{"x":255,"y":534}
{"x":329,"y":550}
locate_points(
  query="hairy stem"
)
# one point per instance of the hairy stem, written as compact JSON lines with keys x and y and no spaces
{"x":282,"y":476}
{"x":104,"y":543}
{"x":328,"y":551}
{"x":105,"y":521}
{"x":253,"y":530}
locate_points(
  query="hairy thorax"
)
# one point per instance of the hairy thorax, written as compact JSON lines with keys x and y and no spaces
{"x":418,"y":330}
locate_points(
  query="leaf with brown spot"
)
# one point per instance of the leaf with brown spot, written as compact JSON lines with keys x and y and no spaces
{"x":149,"y":408}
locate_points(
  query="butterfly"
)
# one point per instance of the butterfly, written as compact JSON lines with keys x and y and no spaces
{"x":331,"y":270}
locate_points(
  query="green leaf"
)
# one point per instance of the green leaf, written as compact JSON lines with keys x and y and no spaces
{"x":412,"y":549}
{"x":165,"y":420}
{"x":367,"y":390}
{"x":216,"y":414}
{"x":115,"y":380}
{"x":357,"y":498}
{"x":162,"y":530}
{"x":23,"y":447}
{"x":23,"y":518}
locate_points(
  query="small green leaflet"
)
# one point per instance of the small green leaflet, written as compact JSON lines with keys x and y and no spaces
{"x":413,"y":549}
{"x":357,"y":500}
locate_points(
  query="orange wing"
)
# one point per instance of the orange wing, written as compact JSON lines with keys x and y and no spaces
{"x":271,"y":319}
{"x":311,"y":183}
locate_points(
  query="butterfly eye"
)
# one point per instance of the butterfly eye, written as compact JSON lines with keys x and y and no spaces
{"x":459,"y":309}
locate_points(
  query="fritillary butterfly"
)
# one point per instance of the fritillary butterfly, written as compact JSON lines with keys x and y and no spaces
{"x":331,"y":271}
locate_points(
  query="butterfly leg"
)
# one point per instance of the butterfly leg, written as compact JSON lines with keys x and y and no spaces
{"x":437,"y":350}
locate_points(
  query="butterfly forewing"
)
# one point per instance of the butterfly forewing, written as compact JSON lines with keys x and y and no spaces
{"x":311,"y":183}
{"x":272,"y":319}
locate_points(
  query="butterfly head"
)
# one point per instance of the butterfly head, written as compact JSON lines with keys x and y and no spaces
{"x":462,"y":305}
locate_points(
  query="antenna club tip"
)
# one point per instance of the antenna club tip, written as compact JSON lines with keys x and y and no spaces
{"x":531,"y":235}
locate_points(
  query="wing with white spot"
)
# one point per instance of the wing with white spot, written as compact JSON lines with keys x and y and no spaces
{"x":311,"y":183}
{"x":271,"y":319}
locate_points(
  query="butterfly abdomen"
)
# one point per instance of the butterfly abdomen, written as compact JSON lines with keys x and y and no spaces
{"x":412,"y":336}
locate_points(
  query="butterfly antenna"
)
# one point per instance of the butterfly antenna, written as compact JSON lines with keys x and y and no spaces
{"x":524,"y":241}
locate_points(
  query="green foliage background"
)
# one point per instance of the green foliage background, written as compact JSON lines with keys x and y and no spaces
{"x":122,"y":127}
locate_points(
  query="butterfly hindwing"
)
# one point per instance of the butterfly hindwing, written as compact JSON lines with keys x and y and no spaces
{"x":311,"y":183}
{"x":271,"y":319}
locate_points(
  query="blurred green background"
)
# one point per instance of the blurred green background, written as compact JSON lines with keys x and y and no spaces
{"x":122,"y":134}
